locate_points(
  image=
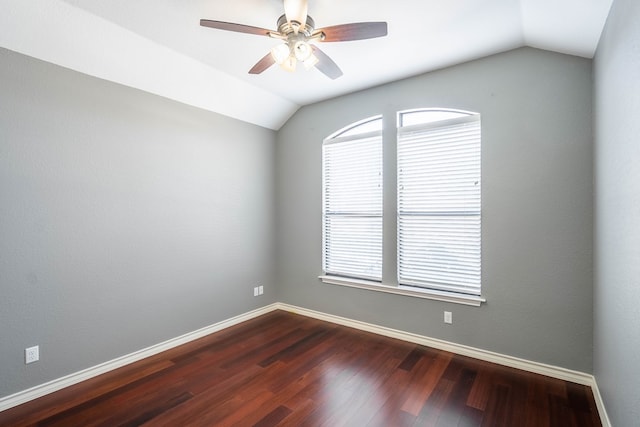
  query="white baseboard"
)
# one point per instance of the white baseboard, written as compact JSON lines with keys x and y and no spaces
{"x":488,"y":356}
{"x":69,"y":380}
{"x":476,"y":353}
{"x":602,"y":411}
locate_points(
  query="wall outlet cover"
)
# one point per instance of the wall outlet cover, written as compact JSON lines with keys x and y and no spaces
{"x":31,"y":354}
{"x":448,"y":317}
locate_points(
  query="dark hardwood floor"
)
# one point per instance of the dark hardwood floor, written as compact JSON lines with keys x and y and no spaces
{"x":288,"y":370}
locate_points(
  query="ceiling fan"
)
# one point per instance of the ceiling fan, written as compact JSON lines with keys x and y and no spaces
{"x":297,"y":30}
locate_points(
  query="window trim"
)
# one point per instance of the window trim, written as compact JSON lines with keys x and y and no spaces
{"x":340,"y":133}
{"x":409,"y":112}
{"x":409,"y":291}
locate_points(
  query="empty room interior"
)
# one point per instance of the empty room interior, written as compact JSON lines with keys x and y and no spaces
{"x":162,"y":202}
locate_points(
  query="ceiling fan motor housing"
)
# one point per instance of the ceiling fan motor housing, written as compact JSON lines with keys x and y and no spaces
{"x":286,"y":28}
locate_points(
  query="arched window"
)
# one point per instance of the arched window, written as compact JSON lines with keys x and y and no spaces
{"x":352,"y":201}
{"x":438,"y":193}
{"x":439,"y":200}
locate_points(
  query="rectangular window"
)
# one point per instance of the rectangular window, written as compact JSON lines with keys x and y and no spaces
{"x":439,"y":205}
{"x":352,"y":205}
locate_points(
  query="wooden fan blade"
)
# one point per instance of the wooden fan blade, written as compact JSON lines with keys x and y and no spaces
{"x":354,"y":31}
{"x":238,"y":28}
{"x":326,"y":64}
{"x":266,"y":62}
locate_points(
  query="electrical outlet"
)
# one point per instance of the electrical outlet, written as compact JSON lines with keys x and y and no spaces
{"x":448,"y":317}
{"x":31,"y":354}
{"x":255,"y":291}
{"x":260,"y":290}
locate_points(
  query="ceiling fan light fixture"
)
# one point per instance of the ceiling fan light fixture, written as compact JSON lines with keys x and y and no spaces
{"x":310,"y":62}
{"x":289,"y":64}
{"x":302,"y":50}
{"x":280,"y":53}
{"x":288,"y":54}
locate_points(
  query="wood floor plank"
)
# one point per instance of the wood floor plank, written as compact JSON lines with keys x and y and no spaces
{"x":302,"y":409}
{"x":282,"y":369}
{"x":498,"y":407}
{"x":428,"y":372}
{"x":274,"y":417}
{"x":157,"y":409}
{"x":455,"y":406}
{"x":393,"y":394}
{"x":479,"y":394}
{"x":364,"y":386}
{"x":433,"y":407}
{"x":537,"y":408}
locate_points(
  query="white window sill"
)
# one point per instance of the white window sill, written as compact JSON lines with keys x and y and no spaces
{"x":405,"y":290}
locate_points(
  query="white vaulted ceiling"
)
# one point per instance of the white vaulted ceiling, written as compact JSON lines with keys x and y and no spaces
{"x":158,"y":45}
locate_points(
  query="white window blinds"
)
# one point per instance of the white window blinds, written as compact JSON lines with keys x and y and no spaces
{"x":439,"y":205}
{"x":352,"y":206}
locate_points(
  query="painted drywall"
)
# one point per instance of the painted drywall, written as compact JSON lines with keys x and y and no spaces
{"x":617,"y":214}
{"x":537,"y":224}
{"x":126,"y":219}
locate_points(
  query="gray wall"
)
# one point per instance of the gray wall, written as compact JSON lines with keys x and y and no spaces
{"x":537,"y":206}
{"x":125,"y":219}
{"x":617,"y":214}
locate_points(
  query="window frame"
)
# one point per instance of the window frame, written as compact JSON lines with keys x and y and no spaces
{"x":390,"y":283}
{"x":455,"y":267}
{"x":346,"y":135}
